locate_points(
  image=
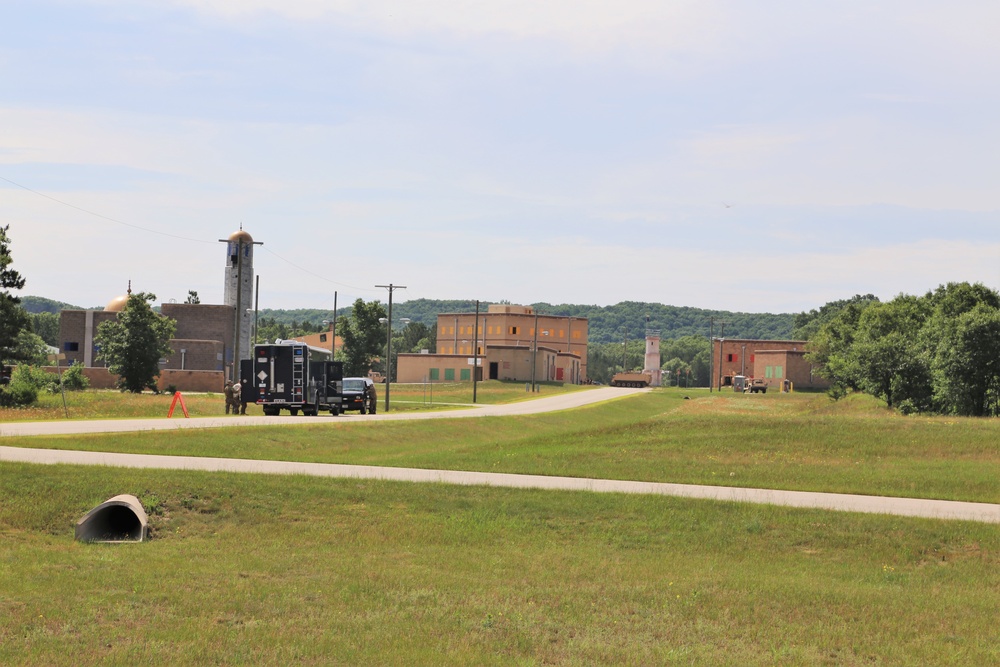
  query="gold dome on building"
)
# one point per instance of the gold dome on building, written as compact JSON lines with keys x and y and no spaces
{"x":117,"y":304}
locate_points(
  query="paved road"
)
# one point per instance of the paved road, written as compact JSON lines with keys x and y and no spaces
{"x":567,"y":401}
{"x":938,"y":509}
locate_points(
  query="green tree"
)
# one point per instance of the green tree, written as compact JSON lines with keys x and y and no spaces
{"x":887,"y":355}
{"x":968,"y":364}
{"x":13,"y":318}
{"x":192,"y":297}
{"x":363,"y":336}
{"x":46,"y":325}
{"x":134,"y":342}
{"x":829,"y":347}
{"x":30,"y":349}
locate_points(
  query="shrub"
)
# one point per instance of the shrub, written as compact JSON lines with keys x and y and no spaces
{"x":22,"y":389}
{"x":74,"y":379}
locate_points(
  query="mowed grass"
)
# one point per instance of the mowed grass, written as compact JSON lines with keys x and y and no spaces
{"x":796,"y":442}
{"x":293,"y":570}
{"x":110,"y":404}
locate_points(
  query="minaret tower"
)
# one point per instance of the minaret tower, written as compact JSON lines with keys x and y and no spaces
{"x":652,"y":365}
{"x":239,"y":294}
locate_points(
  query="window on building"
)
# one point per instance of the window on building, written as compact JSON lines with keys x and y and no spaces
{"x":769,"y":371}
{"x":465,"y":375}
{"x":513,"y":331}
{"x":576,"y":335}
{"x":778,"y":370}
{"x":322,"y":338}
{"x":449,"y":374}
{"x":732,"y":357}
{"x":562,"y":332}
{"x":451,"y":330}
{"x":435,"y":373}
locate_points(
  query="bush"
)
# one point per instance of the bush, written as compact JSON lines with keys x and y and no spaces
{"x":74,"y":379}
{"x":22,"y":389}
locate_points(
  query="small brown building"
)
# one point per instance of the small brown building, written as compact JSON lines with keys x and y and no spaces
{"x":774,"y":361}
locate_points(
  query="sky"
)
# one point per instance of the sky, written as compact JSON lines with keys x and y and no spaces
{"x":765,"y":156}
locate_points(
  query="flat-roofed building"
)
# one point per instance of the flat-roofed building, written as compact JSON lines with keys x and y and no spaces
{"x":511,"y":343}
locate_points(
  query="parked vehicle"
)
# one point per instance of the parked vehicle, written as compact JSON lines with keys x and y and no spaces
{"x":359,"y":394}
{"x":293,"y":376}
{"x":633,"y":379}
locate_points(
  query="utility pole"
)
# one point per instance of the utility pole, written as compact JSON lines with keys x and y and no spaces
{"x":388,"y":341}
{"x":722,"y":339}
{"x":534,"y":353}
{"x":711,"y":352}
{"x":475,"y":353}
{"x":333,"y":345}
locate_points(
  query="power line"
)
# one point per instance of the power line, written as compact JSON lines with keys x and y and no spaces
{"x":316,"y":275}
{"x":175,"y":236}
{"x":102,"y":217}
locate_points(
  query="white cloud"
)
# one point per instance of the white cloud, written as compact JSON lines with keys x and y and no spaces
{"x":583,"y":25}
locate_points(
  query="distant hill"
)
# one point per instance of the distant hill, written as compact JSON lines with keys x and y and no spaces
{"x":607,"y":323}
{"x":39,"y":304}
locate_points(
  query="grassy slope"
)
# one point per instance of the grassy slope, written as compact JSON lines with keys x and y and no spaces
{"x":279,"y":570}
{"x":799,"y":442}
{"x":291,"y":570}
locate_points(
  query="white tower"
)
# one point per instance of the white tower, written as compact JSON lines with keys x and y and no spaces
{"x":652,"y":365}
{"x":239,"y":292}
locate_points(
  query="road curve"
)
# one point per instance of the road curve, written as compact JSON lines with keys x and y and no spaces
{"x":916,"y":507}
{"x":568,"y":401}
{"x":935,"y":509}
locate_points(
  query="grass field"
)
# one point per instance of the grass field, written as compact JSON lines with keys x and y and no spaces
{"x":291,"y":570}
{"x":294,"y":570}
{"x":110,"y":404}
{"x":794,"y":442}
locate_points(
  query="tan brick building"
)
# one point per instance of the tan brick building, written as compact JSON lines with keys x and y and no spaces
{"x":506,"y":346}
{"x":775,"y":361}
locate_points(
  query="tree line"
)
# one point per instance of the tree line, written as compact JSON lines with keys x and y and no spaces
{"x":939,"y":352}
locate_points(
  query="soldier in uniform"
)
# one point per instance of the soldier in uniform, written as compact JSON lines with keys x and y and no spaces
{"x":236,"y":398}
{"x":228,"y":391}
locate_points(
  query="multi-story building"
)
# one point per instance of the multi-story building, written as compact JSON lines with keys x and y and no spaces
{"x":510,"y":343}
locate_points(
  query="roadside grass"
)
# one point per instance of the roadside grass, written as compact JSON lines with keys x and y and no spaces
{"x":111,"y":404}
{"x":794,"y":442}
{"x":259,"y":569}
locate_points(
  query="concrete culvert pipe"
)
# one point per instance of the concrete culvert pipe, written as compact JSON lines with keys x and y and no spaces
{"x":118,"y":519}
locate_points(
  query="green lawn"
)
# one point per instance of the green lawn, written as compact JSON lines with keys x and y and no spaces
{"x":293,"y":570}
{"x":245,"y":569}
{"x":795,"y":442}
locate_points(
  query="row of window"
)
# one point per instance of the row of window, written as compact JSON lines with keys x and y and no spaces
{"x":511,"y":331}
{"x":461,"y":350}
{"x":465,"y":374}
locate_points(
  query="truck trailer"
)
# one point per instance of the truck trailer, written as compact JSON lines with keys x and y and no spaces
{"x":289,"y":375}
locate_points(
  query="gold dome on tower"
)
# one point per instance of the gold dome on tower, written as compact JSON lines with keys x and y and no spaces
{"x":241,"y":235}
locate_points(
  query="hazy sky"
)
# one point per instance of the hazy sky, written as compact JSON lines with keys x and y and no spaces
{"x":757,"y":156}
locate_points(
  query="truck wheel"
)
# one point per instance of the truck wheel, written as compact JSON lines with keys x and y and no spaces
{"x":294,"y":411}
